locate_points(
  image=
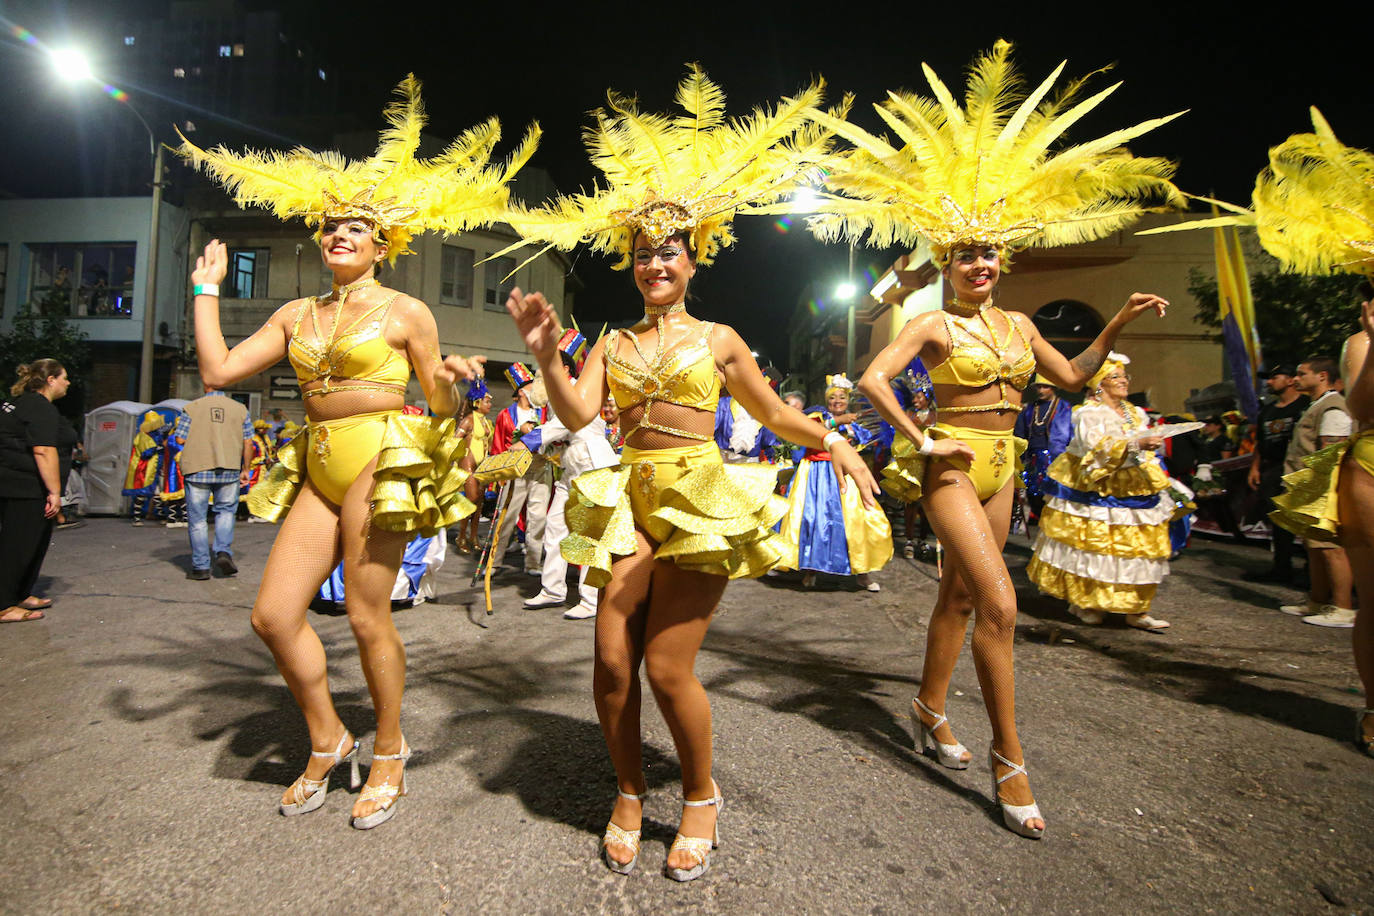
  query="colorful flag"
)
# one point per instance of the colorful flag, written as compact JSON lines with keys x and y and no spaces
{"x":1240,"y":339}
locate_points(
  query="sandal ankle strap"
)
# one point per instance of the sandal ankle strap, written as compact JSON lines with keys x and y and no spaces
{"x":338,"y":753}
{"x":631,"y":797}
{"x":1017,"y":769}
{"x":403,"y":755}
{"x":940,"y":718}
{"x":715,"y":798}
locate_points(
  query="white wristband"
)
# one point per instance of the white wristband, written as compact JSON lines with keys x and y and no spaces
{"x":927,"y":444}
{"x":207,"y":289}
{"x":830,"y":440}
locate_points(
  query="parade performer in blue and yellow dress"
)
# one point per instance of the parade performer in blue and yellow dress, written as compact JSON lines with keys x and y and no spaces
{"x":826,"y":531}
{"x":477,"y":432}
{"x":975,"y":182}
{"x":361,"y":479}
{"x":663,"y":532}
{"x":1046,"y":424}
{"x":1104,"y":540}
{"x":141,"y":481}
{"x":1313,"y":207}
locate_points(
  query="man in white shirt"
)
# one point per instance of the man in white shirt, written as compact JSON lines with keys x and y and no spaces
{"x":1325,"y":422}
{"x":584,"y":450}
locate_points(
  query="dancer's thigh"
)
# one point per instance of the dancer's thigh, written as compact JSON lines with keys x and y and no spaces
{"x":973,"y":534}
{"x":624,"y":604}
{"x":305,"y":552}
{"x":371,"y":555}
{"x":680,"y":609}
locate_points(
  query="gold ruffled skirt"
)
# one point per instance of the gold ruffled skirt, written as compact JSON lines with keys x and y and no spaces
{"x":704,"y":515}
{"x":418,"y":486}
{"x":1308,"y":505}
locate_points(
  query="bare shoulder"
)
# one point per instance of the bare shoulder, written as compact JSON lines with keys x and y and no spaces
{"x":404,"y":306}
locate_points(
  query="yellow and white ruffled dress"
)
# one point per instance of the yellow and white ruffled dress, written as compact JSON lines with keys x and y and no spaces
{"x":1104,"y":533}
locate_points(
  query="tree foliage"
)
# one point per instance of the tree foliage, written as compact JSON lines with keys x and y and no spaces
{"x":1299,"y":317}
{"x":41,"y":331}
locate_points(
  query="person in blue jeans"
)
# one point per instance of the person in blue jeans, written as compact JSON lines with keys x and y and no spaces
{"x":216,"y":441}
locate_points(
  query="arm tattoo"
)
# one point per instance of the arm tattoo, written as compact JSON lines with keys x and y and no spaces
{"x":1089,"y":361}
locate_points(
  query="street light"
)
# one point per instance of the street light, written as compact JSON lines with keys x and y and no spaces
{"x":72,"y":66}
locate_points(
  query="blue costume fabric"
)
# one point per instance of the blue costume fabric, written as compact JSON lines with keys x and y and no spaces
{"x":766,"y":444}
{"x":414,"y":563}
{"x":1047,"y":429}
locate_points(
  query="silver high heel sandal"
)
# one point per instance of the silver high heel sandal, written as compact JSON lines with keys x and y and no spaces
{"x":308,"y":794}
{"x":385,"y":795}
{"x":621,"y":837}
{"x":949,"y":755}
{"x":699,"y":848}
{"x":1014,"y":816}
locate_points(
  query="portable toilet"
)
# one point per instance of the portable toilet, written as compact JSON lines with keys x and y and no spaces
{"x":110,"y":432}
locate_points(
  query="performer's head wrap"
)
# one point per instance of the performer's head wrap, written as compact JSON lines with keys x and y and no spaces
{"x":152,"y":421}
{"x":1313,"y":206}
{"x":687,"y":175}
{"x":838,"y":383}
{"x":398,"y":194}
{"x":1113,"y":362}
{"x":984,"y":173}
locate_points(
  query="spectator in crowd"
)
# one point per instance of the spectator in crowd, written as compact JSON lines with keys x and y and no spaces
{"x":1046,"y":425}
{"x":530,"y":493}
{"x":1325,"y":422}
{"x":216,"y":440}
{"x":1277,"y":419}
{"x":30,"y":485}
{"x":1213,"y":444}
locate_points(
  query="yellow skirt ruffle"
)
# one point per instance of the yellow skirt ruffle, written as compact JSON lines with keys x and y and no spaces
{"x":418,"y":484}
{"x":704,"y":515}
{"x":1094,"y":536}
{"x":998,"y":458}
{"x":1118,"y":597}
{"x":1308,"y":505}
{"x":1110,"y":478}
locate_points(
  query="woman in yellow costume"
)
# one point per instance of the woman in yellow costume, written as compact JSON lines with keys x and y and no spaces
{"x":824,"y":530}
{"x":1313,"y":208}
{"x":361,"y":479}
{"x":973,"y":183}
{"x":1104,"y":543}
{"x":664,"y":531}
{"x":477,"y":431}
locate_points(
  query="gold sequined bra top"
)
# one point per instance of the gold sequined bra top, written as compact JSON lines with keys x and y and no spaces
{"x":685,"y":376}
{"x":976,"y":361}
{"x":359,"y":353}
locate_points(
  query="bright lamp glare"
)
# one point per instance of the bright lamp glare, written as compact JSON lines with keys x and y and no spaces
{"x":71,"y":64}
{"x":805,"y":199}
{"x":845,"y":291}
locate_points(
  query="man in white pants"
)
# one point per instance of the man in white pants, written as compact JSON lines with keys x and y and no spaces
{"x":584,"y":450}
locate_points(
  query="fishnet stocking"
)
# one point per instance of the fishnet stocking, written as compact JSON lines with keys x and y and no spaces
{"x":688,"y":419}
{"x":975,"y":580}
{"x":655,"y":612}
{"x":1356,"y":507}
{"x":340,"y":402}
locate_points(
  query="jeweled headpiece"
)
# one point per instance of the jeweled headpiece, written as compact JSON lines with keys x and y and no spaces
{"x":477,"y":389}
{"x":690,"y":174}
{"x":1313,"y":206}
{"x":984,"y":173}
{"x":397,"y":193}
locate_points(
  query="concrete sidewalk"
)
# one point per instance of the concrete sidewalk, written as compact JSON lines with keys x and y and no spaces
{"x":148,"y":737}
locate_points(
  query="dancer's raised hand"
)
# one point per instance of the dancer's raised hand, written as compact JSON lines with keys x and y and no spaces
{"x":1140,"y":303}
{"x":213,"y":265}
{"x":845,"y":462}
{"x":537,"y":321}
{"x":459,"y":368}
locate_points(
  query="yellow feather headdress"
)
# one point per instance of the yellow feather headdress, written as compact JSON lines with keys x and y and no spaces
{"x":692,"y":173}
{"x":1313,"y":206}
{"x":985,"y":172}
{"x":397,"y":193}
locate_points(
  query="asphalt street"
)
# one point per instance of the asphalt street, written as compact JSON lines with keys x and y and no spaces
{"x":148,"y":736}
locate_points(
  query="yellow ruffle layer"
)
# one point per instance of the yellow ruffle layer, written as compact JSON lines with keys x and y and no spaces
{"x":905,"y":474}
{"x":1308,"y":505}
{"x":1087,"y":534}
{"x":715,"y":519}
{"x":1104,"y":472}
{"x":418,"y":484}
{"x":1089,"y":593}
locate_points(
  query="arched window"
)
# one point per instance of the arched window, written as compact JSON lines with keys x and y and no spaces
{"x":1068,"y":325}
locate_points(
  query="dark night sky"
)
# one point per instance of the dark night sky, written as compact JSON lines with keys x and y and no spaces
{"x":1248,"y":84}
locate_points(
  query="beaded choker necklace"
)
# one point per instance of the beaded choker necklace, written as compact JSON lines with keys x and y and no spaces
{"x":967,"y":309}
{"x":341,"y":293}
{"x":658,"y":311}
